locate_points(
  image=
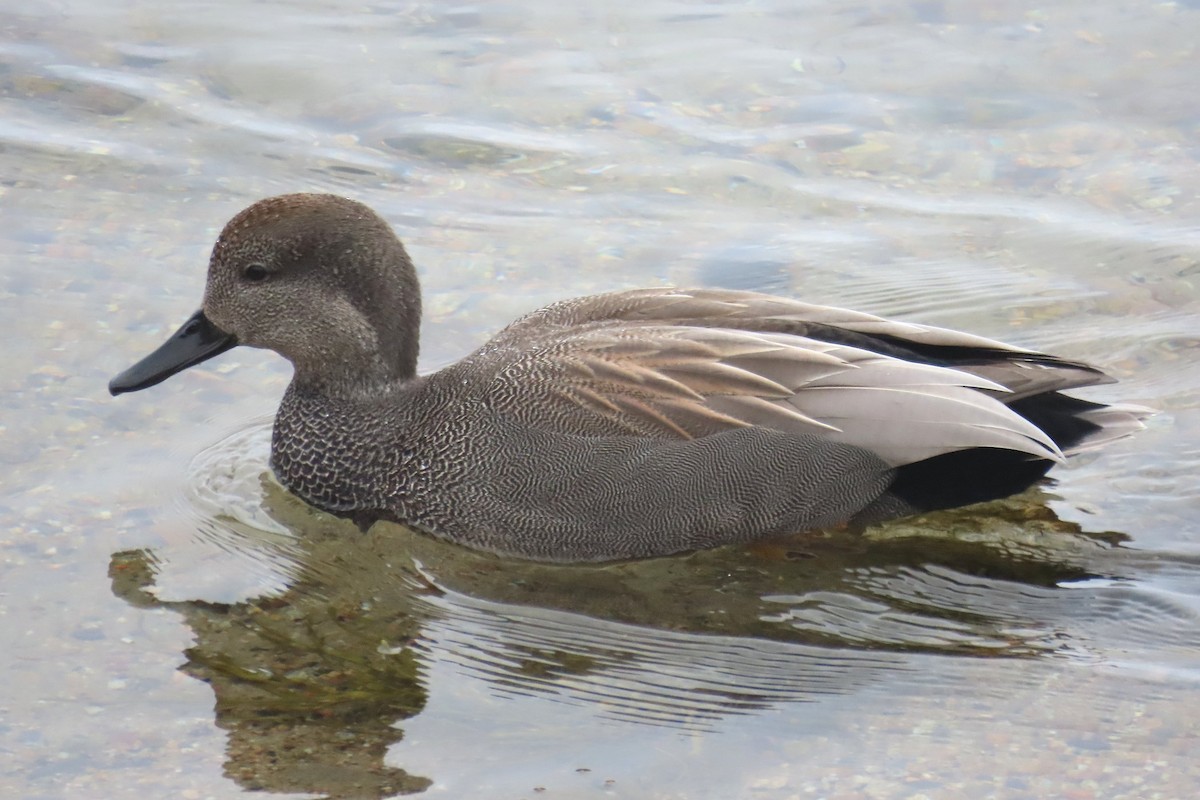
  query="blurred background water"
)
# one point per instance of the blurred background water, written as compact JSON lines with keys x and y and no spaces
{"x":175,"y":625}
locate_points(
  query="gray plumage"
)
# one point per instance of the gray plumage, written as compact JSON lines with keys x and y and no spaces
{"x":623,"y":425}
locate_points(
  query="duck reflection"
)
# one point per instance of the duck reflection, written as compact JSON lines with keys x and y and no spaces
{"x":314,"y":678}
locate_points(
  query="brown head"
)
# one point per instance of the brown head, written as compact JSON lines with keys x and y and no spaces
{"x":319,"y":279}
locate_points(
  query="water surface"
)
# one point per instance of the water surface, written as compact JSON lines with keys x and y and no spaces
{"x":178,"y":626}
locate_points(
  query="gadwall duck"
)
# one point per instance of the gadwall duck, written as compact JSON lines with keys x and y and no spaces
{"x":623,"y":425}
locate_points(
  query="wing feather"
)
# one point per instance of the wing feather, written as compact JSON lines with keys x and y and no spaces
{"x":692,"y":362}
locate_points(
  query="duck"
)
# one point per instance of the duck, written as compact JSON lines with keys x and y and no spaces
{"x":627,"y":425}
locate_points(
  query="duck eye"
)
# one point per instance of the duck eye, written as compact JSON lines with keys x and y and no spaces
{"x":254,"y":272}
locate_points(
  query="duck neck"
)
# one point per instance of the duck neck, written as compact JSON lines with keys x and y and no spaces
{"x":352,"y":381}
{"x":372,"y":348}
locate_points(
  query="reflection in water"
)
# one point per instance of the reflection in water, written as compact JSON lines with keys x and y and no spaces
{"x":313,"y":675}
{"x":308,"y":697}
{"x":642,"y":675}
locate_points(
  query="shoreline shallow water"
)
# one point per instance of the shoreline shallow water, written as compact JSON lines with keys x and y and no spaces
{"x":175,"y":625}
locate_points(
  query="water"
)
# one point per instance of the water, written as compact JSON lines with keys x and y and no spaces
{"x":176,"y":625}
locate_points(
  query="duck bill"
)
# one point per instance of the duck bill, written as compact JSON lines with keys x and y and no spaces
{"x":198,"y":340}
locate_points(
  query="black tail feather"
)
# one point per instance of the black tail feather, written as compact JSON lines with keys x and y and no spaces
{"x":1059,"y":416}
{"x":966,"y":476}
{"x":984,"y":473}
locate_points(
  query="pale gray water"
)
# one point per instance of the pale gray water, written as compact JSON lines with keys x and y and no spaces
{"x":1026,"y":172}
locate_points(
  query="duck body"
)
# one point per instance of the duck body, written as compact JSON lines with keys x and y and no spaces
{"x":625,"y":425}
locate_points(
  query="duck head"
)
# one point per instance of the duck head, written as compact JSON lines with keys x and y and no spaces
{"x":319,"y":279}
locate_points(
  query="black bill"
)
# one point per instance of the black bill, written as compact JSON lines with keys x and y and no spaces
{"x":198,"y":340}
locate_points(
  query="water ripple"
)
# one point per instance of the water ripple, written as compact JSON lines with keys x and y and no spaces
{"x":644,"y":675}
